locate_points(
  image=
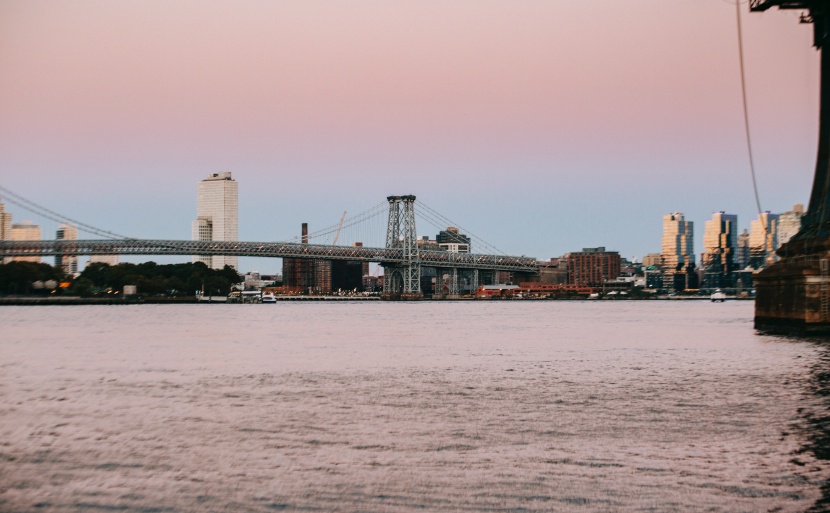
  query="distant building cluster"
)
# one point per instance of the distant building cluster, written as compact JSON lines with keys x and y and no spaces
{"x":729,"y":257}
{"x":27,"y":230}
{"x":728,"y":260}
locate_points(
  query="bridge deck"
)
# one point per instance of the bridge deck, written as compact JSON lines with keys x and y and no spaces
{"x":263,"y":249}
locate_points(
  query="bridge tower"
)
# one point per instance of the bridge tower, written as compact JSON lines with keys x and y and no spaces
{"x":793,"y":295}
{"x":402,"y":281}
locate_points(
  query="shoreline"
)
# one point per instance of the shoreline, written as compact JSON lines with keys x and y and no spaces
{"x":76,"y":300}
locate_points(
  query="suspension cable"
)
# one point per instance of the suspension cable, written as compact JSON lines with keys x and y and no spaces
{"x":34,"y":208}
{"x":467,"y":232}
{"x":746,"y":110}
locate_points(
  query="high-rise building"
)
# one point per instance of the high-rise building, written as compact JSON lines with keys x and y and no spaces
{"x":763,"y":240}
{"x":678,"y":242}
{"x":217,"y":216}
{"x":5,"y":223}
{"x":678,"y":256}
{"x":69,"y":264}
{"x":26,"y":230}
{"x":789,"y":223}
{"x":720,"y":244}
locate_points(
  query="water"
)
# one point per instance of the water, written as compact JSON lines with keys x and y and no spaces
{"x":485,"y":406}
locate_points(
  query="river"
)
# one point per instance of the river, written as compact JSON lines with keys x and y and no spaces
{"x":512,"y":406}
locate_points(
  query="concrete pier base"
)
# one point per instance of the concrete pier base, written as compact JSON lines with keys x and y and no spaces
{"x":793,"y":296}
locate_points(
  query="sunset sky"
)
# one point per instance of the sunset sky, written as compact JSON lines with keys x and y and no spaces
{"x":542,"y":126}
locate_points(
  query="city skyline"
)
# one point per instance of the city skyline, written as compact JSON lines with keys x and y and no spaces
{"x":597,"y":120}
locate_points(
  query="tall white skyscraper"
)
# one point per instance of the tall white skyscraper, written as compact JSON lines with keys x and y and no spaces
{"x":217,"y":216}
{"x":68,"y":263}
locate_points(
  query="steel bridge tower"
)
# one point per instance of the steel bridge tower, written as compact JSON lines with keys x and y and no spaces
{"x":793,"y":295}
{"x":402,"y":281}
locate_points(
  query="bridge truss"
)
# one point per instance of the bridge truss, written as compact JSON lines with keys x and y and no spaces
{"x":386,"y":256}
{"x":402,"y":258}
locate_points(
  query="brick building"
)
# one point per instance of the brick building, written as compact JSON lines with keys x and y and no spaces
{"x":593,"y":266}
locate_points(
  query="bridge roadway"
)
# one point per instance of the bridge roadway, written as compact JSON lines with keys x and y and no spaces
{"x":386,"y":256}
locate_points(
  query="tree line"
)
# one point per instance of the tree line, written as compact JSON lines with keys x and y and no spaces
{"x":150,"y":278}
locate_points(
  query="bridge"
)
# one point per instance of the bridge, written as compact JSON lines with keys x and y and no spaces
{"x":401,"y":256}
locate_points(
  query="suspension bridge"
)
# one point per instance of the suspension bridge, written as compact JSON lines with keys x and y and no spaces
{"x":401,"y":253}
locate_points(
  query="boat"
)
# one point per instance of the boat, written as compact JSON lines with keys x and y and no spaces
{"x":718,"y":296}
{"x":269,"y":298}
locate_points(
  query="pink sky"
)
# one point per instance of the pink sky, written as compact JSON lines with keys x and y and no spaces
{"x":595,"y":118}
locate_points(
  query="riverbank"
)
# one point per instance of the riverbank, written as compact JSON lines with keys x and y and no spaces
{"x":76,"y":300}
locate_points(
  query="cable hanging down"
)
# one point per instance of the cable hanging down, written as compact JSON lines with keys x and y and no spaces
{"x":34,"y":208}
{"x":746,"y":110}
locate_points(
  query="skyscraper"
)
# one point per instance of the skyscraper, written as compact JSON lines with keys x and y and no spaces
{"x":763,"y":240}
{"x":69,"y":264}
{"x":678,"y":242}
{"x":678,"y":255}
{"x":720,"y":244}
{"x":217,"y":216}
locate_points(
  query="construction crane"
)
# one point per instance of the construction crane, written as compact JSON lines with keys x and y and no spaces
{"x":339,"y":226}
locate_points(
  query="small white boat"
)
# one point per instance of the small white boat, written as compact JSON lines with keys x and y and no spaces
{"x":269,"y":298}
{"x":718,"y":296}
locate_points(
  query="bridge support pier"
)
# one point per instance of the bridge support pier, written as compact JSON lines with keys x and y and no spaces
{"x":792,"y":294}
{"x":446,"y":283}
{"x":402,"y":282}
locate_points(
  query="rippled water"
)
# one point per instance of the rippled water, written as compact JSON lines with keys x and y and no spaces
{"x":493,"y":406}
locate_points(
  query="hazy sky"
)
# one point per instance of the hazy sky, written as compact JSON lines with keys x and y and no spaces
{"x":542,"y":126}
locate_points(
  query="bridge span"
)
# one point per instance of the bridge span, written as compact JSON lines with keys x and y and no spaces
{"x":402,"y":257}
{"x":384,"y":256}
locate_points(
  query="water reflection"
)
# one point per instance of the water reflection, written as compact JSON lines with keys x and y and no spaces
{"x":466,"y":407}
{"x":817,"y":419}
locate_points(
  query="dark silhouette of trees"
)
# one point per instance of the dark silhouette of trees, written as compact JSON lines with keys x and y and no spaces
{"x":150,"y":278}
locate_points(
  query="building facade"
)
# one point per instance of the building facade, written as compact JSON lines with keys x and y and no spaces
{"x":5,"y":223}
{"x":789,"y":223}
{"x":593,"y":267}
{"x":217,"y":216}
{"x":453,"y":241}
{"x":720,"y":244}
{"x":26,"y":230}
{"x":742,"y":253}
{"x":763,"y":240}
{"x":678,"y":256}
{"x":69,"y":264}
{"x":103,"y":259}
{"x":653,"y":260}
